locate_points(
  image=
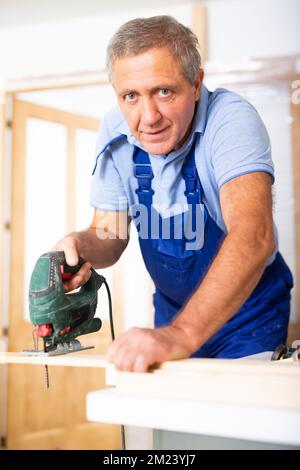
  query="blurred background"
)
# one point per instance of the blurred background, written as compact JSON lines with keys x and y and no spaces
{"x":53,"y":94}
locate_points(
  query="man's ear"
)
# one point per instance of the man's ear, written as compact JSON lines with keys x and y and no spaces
{"x":198,"y":83}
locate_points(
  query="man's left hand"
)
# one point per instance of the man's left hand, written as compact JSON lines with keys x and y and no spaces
{"x":138,"y":349}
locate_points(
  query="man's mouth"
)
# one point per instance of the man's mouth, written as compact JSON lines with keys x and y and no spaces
{"x":154,"y":134}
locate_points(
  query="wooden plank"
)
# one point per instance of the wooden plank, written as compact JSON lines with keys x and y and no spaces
{"x":250,"y":383}
{"x":69,"y":360}
{"x":239,"y":366}
{"x":184,"y":367}
{"x":196,"y":368}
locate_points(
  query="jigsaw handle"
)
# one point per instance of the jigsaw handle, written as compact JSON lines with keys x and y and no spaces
{"x":67,"y":272}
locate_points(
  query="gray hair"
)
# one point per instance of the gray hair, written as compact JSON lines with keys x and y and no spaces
{"x":141,"y":34}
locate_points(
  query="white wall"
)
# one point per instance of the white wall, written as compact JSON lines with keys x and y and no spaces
{"x":21,"y":12}
{"x":239,"y":29}
{"x":69,"y":45}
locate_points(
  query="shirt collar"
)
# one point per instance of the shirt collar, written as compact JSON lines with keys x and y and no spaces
{"x":200,"y":117}
{"x":123,"y":128}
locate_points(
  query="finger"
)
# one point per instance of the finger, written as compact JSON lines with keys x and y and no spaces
{"x":80,"y":278}
{"x":115,"y":348}
{"x":125,"y":362}
{"x":69,"y":246}
{"x":141,"y":364}
{"x":128,"y":337}
{"x":124,"y":357}
{"x":71,"y":251}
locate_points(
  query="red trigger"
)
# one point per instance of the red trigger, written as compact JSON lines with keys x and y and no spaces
{"x":65,"y":276}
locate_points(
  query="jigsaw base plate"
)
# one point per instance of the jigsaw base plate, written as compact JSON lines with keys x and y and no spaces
{"x":64,"y":348}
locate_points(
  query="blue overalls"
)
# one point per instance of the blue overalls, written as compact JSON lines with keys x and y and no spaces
{"x":260,"y":324}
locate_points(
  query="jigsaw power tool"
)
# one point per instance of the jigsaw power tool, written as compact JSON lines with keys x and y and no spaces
{"x":59,"y":317}
{"x":283,"y":351}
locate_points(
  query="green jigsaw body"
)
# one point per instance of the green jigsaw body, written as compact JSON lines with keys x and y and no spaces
{"x":65,"y":316}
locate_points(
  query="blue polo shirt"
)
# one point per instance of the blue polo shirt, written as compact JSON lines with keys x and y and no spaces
{"x":232,"y":141}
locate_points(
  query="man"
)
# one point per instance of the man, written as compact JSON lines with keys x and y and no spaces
{"x":198,"y":162}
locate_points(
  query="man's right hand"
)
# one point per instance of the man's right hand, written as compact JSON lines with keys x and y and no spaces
{"x":69,"y":245}
{"x":104,"y":241}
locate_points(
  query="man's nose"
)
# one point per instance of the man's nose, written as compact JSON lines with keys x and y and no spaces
{"x":150,"y":114}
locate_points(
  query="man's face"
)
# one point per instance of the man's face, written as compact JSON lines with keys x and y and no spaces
{"x":156,"y":99}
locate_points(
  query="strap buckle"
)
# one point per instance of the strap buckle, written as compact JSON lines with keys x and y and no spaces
{"x":144,"y":192}
{"x":189,"y":172}
{"x":143,"y":170}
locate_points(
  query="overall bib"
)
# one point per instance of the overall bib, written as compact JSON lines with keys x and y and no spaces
{"x":260,"y":324}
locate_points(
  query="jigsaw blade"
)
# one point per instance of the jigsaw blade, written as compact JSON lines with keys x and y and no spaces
{"x":46,"y":367}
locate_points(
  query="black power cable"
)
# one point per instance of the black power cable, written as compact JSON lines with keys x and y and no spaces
{"x":111,"y":322}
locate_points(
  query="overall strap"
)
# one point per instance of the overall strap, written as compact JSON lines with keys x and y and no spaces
{"x":193,"y":188}
{"x":144,"y":174}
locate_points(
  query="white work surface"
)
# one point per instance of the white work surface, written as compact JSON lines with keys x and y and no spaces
{"x":267,"y":412}
{"x":196,"y":417}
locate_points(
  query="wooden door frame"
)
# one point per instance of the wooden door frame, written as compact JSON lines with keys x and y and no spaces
{"x":295,"y":144}
{"x":200,"y":28}
{"x":2,"y":186}
{"x":2,"y":222}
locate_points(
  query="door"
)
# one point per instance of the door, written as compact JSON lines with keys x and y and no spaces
{"x":51,"y":165}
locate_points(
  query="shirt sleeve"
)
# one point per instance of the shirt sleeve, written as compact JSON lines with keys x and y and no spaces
{"x":107,"y":190}
{"x":240,"y":143}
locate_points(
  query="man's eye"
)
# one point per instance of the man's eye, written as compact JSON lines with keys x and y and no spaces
{"x":164,"y":92}
{"x":130,"y":97}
